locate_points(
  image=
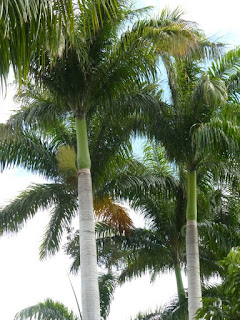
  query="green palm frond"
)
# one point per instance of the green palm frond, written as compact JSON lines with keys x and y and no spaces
{"x":155,"y":159}
{"x":47,"y":310}
{"x":226,"y":66}
{"x":28,"y":29}
{"x":211,"y":91}
{"x":169,"y":31}
{"x":218,"y":135}
{"x":23,"y":149}
{"x":173,"y":310}
{"x":134,"y":254}
{"x":39,"y":109}
{"x":14,"y":216}
{"x":61,"y":218}
{"x":132,"y":178}
{"x":107,"y":284}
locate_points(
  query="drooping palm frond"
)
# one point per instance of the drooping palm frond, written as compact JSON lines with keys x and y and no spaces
{"x":112,"y":214}
{"x":23,"y":149}
{"x":25,"y":206}
{"x":218,"y":135}
{"x":226,"y":66}
{"x":173,"y":310}
{"x":47,"y":310}
{"x":38,"y":108}
{"x":25,"y":29}
{"x":107,"y":284}
{"x":169,"y":31}
{"x":61,"y":218}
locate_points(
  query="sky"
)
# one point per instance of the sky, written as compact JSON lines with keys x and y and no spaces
{"x":24,"y":280}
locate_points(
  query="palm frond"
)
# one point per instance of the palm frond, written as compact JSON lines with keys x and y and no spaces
{"x":47,"y":310}
{"x":219,"y":135}
{"x":226,"y":66}
{"x":112,"y":214}
{"x":61,"y":217}
{"x":21,"y":148}
{"x":107,"y":284}
{"x":24,"y":207}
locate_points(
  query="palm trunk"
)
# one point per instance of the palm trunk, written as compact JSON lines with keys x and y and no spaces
{"x":88,"y":257}
{"x":193,"y":268}
{"x":180,"y":288}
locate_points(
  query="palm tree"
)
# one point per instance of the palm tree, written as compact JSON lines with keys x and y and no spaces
{"x":96,"y":72}
{"x":160,"y":245}
{"x":141,"y":248}
{"x":195,"y":95}
{"x":52,"y":155}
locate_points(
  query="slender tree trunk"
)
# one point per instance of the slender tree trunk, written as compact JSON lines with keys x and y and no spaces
{"x":88,"y":257}
{"x":193,"y":268}
{"x":180,"y":288}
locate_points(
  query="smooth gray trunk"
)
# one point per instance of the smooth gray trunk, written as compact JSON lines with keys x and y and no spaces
{"x":193,"y":269}
{"x":88,"y":256}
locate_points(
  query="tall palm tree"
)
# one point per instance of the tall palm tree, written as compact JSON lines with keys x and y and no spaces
{"x":195,"y":96}
{"x":52,"y":155}
{"x":96,"y":72}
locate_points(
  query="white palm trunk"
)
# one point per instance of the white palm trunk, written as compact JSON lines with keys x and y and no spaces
{"x":193,"y":269}
{"x":88,"y":256}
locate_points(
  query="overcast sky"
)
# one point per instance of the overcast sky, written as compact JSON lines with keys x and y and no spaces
{"x":24,"y":280}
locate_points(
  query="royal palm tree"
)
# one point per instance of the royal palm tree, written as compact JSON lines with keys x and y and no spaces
{"x":196,"y":94}
{"x":53,"y":155}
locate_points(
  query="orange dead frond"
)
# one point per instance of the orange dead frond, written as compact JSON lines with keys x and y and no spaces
{"x":113,"y":215}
